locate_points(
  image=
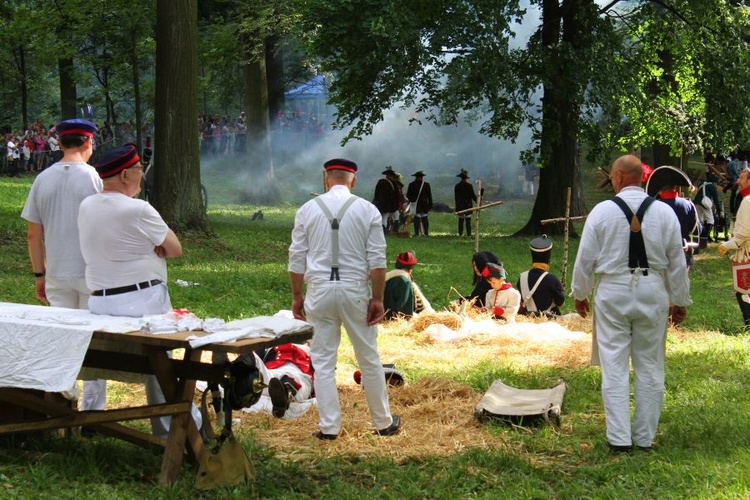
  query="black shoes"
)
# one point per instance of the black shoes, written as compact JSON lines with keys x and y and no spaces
{"x":391,"y":429}
{"x":324,"y":437}
{"x":281,"y":393}
{"x":620,"y":448}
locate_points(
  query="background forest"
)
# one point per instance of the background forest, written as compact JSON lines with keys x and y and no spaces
{"x":482,"y":85}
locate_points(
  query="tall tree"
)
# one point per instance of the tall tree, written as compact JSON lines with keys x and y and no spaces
{"x":591,"y":65}
{"x":177,"y":185}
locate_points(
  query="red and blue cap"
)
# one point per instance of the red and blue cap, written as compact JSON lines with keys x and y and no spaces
{"x":76,"y":126}
{"x":116,"y":160}
{"x":340,"y":164}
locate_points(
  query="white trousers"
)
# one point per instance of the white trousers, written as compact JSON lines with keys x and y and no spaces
{"x":74,"y":294}
{"x":631,"y":314}
{"x":704,"y":215}
{"x":328,"y":306}
{"x":153,"y":300}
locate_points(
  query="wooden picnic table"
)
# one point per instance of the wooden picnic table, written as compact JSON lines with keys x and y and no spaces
{"x":177,"y":378}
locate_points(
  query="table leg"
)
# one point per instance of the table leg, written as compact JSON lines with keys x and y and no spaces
{"x":183,"y":433}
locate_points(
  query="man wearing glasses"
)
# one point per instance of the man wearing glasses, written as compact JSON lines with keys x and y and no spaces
{"x":125,"y":243}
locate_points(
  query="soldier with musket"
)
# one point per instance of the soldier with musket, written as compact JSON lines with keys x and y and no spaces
{"x":387,"y":198}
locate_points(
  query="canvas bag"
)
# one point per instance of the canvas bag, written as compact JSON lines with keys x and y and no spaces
{"x":522,"y":406}
{"x":706,"y":201}
{"x":225,"y":463}
{"x":413,"y":204}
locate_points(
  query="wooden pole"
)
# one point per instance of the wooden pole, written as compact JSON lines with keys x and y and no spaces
{"x":474,"y":209}
{"x":565,"y":240}
{"x":564,"y":219}
{"x":476,"y":225}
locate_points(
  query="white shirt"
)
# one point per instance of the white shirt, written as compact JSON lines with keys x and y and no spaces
{"x":739,"y":243}
{"x":54,"y":145}
{"x":361,"y":240}
{"x":53,"y":202}
{"x":118,"y":236}
{"x":605,"y":245}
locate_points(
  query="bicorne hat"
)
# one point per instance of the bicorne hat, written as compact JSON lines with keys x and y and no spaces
{"x":667,"y":176}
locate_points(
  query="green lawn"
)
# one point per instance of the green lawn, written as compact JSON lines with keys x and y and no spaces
{"x":703,"y":446}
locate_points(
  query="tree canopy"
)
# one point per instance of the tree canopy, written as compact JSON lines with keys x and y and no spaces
{"x":620,"y":75}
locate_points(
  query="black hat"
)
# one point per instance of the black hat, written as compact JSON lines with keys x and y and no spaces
{"x":340,"y":164}
{"x":541,"y":249}
{"x":665,"y":176}
{"x":76,"y":127}
{"x":389,"y":172}
{"x":116,"y":160}
{"x":418,"y":173}
{"x":464,"y":174}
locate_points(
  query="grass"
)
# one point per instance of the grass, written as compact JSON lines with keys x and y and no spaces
{"x":703,"y":444}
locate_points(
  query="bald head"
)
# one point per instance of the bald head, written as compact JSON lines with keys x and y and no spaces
{"x":340,"y":177}
{"x":626,"y":171}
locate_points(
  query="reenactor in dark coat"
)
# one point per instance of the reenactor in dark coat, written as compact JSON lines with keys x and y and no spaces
{"x":465,"y":198}
{"x":420,"y":196}
{"x":386,"y":197}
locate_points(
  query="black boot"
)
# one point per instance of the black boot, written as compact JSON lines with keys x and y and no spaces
{"x":709,"y":228}
{"x":744,"y":308}
{"x":281,"y":391}
{"x":460,"y":226}
{"x":425,"y":226}
{"x":416,"y":220}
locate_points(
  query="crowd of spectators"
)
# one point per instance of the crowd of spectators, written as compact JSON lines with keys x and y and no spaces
{"x":33,"y":148}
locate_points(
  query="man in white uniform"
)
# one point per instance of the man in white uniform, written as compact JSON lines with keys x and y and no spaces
{"x":52,"y":214}
{"x":738,"y":246}
{"x":338,"y":250}
{"x":125,"y":243}
{"x":637,"y":283}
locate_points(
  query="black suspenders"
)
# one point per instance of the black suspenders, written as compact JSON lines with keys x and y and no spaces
{"x":637,"y":258}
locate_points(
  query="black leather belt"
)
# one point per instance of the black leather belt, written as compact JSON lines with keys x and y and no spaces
{"x":125,"y":289}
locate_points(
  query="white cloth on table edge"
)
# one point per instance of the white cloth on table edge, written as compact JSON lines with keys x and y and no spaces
{"x":43,"y":347}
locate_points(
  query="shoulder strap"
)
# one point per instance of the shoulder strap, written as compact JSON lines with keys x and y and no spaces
{"x":637,"y":258}
{"x":528,"y":296}
{"x":335,"y":221}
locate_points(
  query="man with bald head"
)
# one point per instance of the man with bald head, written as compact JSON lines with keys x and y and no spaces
{"x":635,"y":247}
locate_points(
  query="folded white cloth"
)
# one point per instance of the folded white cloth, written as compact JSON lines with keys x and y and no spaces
{"x":252,"y":328}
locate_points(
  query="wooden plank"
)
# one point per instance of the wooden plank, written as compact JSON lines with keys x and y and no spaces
{"x":178,"y":340}
{"x":76,"y":418}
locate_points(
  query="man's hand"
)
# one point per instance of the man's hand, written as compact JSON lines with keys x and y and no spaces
{"x":722,"y":249}
{"x":41,"y":291}
{"x":677,"y":314}
{"x":298,"y":307}
{"x":375,"y":312}
{"x":582,"y":307}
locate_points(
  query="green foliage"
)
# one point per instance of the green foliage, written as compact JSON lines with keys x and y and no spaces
{"x":641,"y":72}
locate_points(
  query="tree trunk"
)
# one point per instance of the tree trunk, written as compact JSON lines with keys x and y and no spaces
{"x":177,"y":179}
{"x":24,"y":81}
{"x":68,"y":95}
{"x":136,"y":87}
{"x":275,"y":77}
{"x":260,"y":187}
{"x":562,"y":33}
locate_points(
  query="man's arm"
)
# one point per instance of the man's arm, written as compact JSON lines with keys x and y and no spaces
{"x":375,"y":310}
{"x":171,"y":247}
{"x":298,"y":296}
{"x":35,"y":240}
